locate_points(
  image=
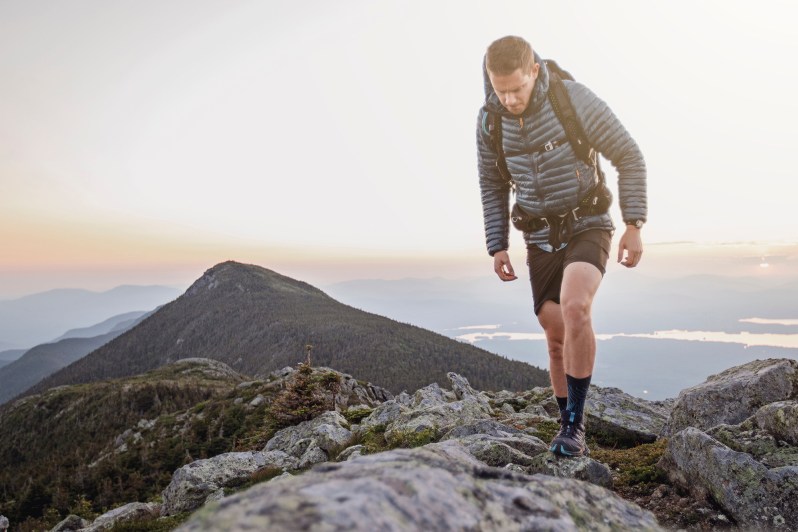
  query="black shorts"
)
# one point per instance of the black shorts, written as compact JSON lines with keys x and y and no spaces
{"x":546,"y":269}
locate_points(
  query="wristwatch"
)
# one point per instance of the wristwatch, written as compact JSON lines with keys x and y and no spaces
{"x":636,"y":223}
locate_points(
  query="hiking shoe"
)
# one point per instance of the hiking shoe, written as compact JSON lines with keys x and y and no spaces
{"x":570,"y":441}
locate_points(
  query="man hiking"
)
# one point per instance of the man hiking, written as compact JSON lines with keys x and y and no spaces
{"x":537,"y":135}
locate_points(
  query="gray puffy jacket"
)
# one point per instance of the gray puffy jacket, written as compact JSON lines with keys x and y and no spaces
{"x":552,"y":183}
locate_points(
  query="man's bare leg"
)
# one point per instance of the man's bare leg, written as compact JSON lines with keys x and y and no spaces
{"x":579,"y":286}
{"x":550,"y":318}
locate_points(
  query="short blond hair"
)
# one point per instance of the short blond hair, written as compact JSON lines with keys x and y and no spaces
{"x":508,"y":54}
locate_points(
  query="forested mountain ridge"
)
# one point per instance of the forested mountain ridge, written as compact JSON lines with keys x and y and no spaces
{"x":257,"y":321}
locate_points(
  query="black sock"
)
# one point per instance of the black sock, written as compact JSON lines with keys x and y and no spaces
{"x":577,"y":393}
{"x":562,"y":402}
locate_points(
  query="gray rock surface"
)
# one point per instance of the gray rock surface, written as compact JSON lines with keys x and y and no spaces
{"x":499,"y":451}
{"x":780,"y":420}
{"x":435,"y":411}
{"x":765,"y":435}
{"x":193,"y":483}
{"x":70,"y":523}
{"x":584,"y":468}
{"x":135,"y":511}
{"x":312,"y":441}
{"x":755,"y":496}
{"x":3,"y":522}
{"x":617,"y":417}
{"x":436,"y":487}
{"x":350,"y":453}
{"x":487,"y":427}
{"x":734,"y":394}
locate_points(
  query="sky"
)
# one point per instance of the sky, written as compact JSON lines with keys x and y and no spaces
{"x":143,"y":142}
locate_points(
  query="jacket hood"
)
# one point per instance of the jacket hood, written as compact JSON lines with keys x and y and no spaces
{"x":492,"y":102}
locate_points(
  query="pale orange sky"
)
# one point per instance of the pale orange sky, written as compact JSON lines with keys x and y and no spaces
{"x":143,"y":144}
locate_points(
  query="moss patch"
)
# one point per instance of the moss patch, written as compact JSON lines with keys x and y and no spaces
{"x":635,"y":467}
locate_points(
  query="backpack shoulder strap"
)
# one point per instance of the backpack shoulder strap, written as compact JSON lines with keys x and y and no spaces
{"x":566,"y":114}
{"x":493,"y":122}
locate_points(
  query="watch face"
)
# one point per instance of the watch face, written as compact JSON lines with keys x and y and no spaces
{"x":639,"y":224}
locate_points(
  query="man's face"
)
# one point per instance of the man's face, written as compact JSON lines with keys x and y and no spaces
{"x":514,"y":90}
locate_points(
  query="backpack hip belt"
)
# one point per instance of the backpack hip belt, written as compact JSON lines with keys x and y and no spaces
{"x":561,"y":225}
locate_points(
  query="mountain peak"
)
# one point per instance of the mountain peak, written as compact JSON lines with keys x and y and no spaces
{"x":235,"y":276}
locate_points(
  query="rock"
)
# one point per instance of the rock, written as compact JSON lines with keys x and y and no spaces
{"x":215,"y":496}
{"x":257,"y":401}
{"x":135,"y":511}
{"x":499,"y":451}
{"x":734,"y":394}
{"x":535,"y":410}
{"x":352,"y":392}
{"x":617,"y":418}
{"x":70,"y":523}
{"x":193,"y":483}
{"x":780,"y":419}
{"x":384,"y":414}
{"x":282,"y":373}
{"x":464,"y":392}
{"x":748,"y":437}
{"x":507,"y":408}
{"x":582,"y":468}
{"x":4,"y":522}
{"x":435,"y":411}
{"x":326,"y":432}
{"x":350,"y":453}
{"x":404,"y":399}
{"x":755,"y":496}
{"x":207,"y":367}
{"x":486,"y":427}
{"x":438,"y":487}
{"x":431,"y":395}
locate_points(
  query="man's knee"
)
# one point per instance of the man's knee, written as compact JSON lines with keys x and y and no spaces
{"x":555,"y":350}
{"x":576,"y":311}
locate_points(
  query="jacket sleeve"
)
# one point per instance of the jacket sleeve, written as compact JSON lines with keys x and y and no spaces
{"x":609,"y":137}
{"x":495,"y":191}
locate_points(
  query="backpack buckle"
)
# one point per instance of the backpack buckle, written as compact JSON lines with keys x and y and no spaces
{"x":548,"y":146}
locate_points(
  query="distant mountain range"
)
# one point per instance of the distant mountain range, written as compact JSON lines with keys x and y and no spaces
{"x":257,"y":321}
{"x":45,"y":359}
{"x":38,"y":318}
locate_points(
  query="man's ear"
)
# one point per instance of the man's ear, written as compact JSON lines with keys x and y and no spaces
{"x":535,"y":70}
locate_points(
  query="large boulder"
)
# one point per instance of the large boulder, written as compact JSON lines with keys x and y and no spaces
{"x":135,"y":511}
{"x":768,"y":435}
{"x":754,"y":495}
{"x":433,"y":412}
{"x":436,"y":487}
{"x":192,"y":484}
{"x":499,"y":451}
{"x":617,"y":418}
{"x":582,"y":468}
{"x":734,"y":394}
{"x":313,"y":441}
{"x":70,"y":523}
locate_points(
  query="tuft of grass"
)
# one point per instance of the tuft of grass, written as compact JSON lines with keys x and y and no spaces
{"x":356,"y":415}
{"x":413,"y":438}
{"x":373,"y":440}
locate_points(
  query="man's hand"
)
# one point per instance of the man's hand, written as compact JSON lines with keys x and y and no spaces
{"x":630,"y":248}
{"x":502,"y":266}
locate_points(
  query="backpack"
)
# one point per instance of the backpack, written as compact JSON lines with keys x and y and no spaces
{"x":599,"y":199}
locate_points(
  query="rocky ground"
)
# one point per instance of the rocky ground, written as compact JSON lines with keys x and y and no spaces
{"x":723,"y":455}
